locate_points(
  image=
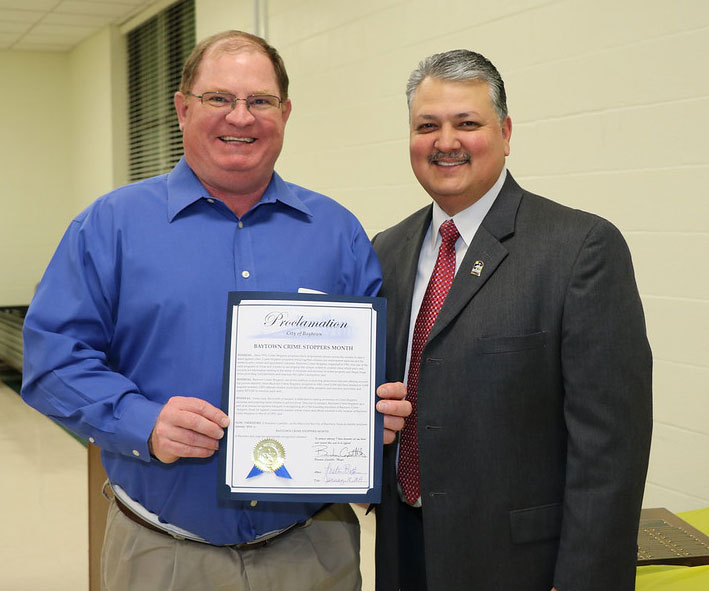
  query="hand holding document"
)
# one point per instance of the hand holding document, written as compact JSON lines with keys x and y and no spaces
{"x":300,"y":379}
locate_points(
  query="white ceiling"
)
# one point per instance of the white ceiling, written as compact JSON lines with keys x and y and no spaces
{"x":59,"y":25}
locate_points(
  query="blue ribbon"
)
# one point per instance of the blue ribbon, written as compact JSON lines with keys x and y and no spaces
{"x":282,"y":472}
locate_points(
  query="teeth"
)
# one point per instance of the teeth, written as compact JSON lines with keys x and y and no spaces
{"x":449,"y":159}
{"x":242,"y":140}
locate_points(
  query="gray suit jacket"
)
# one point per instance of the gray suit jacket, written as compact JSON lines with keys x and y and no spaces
{"x":534,"y":404}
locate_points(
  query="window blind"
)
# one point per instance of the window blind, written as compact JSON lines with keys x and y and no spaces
{"x":157,"y":50}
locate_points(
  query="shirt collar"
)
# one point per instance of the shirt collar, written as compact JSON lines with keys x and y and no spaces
{"x":279,"y":190}
{"x":184,"y":189}
{"x":468,"y":221}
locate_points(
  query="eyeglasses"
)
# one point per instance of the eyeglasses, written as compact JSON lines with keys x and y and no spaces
{"x":254,"y":102}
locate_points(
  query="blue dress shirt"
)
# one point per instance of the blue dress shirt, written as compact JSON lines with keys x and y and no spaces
{"x":132,"y":311}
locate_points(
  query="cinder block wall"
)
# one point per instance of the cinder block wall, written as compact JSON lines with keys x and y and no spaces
{"x":609,"y":102}
{"x":34,"y":168}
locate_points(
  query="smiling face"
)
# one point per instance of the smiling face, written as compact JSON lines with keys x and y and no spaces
{"x":232,"y":152}
{"x":457,"y":144}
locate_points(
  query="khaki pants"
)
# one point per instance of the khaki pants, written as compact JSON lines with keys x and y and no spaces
{"x":321,"y":556}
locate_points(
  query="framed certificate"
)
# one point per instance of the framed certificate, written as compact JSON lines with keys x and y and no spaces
{"x":300,"y":375}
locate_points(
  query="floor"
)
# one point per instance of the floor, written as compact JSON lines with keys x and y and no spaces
{"x":43,"y":505}
{"x":43,"y":500}
{"x":367,"y":525}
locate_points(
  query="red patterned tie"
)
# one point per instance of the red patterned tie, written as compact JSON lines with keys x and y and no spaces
{"x":436,"y":292}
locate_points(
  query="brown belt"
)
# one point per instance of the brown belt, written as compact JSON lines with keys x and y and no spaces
{"x":134,"y":517}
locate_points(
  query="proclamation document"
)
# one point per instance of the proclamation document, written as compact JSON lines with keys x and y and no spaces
{"x":300,"y":376}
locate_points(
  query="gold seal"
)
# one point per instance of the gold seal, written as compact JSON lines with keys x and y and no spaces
{"x":269,"y":455}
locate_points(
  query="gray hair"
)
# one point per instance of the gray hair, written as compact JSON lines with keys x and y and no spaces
{"x":460,"y":65}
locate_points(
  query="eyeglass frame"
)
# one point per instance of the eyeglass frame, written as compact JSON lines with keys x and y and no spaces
{"x":236,"y":99}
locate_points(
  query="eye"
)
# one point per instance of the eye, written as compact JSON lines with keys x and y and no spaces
{"x":425,"y":127}
{"x":469,"y":124}
{"x":261,"y":101}
{"x":217,"y":99}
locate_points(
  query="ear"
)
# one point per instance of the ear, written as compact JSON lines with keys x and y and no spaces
{"x":507,"y":134}
{"x":285,"y":110}
{"x":180,"y":108}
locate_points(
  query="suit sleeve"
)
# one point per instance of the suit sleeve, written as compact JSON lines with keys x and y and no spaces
{"x":607,"y":374}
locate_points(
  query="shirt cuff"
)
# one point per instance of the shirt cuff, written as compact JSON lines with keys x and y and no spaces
{"x":137,"y":416}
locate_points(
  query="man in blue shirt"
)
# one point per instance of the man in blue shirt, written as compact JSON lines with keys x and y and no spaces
{"x":124,"y":340}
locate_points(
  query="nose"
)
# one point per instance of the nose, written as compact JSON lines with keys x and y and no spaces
{"x":447,"y":140}
{"x":240,"y":114}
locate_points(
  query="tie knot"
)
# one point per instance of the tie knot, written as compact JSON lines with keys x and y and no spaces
{"x":448,"y":231}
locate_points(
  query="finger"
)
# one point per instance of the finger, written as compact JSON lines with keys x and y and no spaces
{"x":169,"y":443}
{"x":171,"y":451}
{"x":186,"y":427}
{"x":397,"y":408}
{"x":389,"y":436}
{"x":202,"y":408}
{"x":392,"y":390}
{"x":393,"y":423}
{"x":190,"y":438}
{"x":189,"y":413}
{"x":198,"y":424}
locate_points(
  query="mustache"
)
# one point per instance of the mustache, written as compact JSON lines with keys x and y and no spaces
{"x":449,"y":155}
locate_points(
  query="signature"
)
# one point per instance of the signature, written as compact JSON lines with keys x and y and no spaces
{"x":334,"y":451}
{"x":343,"y":473}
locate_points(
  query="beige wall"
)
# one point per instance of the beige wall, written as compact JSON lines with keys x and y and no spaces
{"x":99,"y":116}
{"x":214,"y":16}
{"x":63,"y":143}
{"x":609,"y":103}
{"x":35,"y":156}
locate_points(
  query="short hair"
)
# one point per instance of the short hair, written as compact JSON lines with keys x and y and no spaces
{"x":460,"y":65}
{"x":233,"y":41}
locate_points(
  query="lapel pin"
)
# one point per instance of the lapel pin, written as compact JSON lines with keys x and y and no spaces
{"x":477,"y":268}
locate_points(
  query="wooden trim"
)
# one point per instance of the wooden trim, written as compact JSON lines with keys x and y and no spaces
{"x":98,"y":510}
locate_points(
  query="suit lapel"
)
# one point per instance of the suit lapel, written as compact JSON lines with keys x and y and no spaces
{"x":486,"y":248}
{"x":403,"y":276}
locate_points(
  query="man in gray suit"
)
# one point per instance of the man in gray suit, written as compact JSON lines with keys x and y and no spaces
{"x":523,"y":465}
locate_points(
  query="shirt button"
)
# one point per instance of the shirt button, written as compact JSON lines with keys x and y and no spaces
{"x":245,"y":274}
{"x":241,"y":224}
{"x":92,"y":440}
{"x":253,"y":503}
{"x":210,"y":200}
{"x":136,"y":453}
